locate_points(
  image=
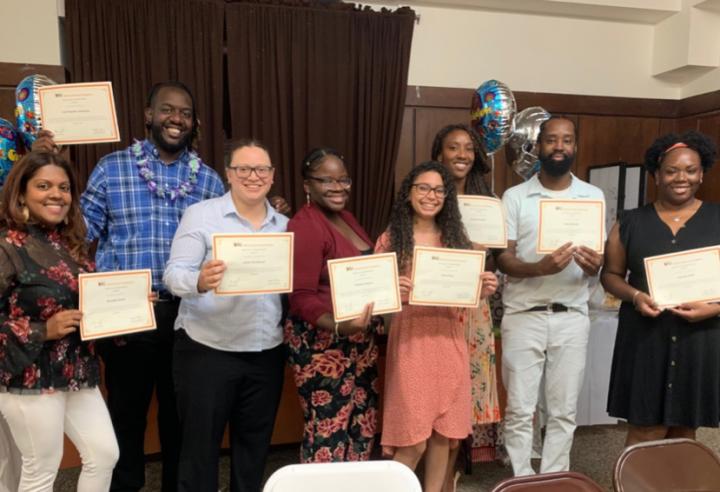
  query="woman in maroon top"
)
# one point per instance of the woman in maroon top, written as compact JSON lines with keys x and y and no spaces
{"x":334,"y":364}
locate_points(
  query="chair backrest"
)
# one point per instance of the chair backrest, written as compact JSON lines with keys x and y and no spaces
{"x":549,"y":482}
{"x":361,"y":476}
{"x":668,"y":465}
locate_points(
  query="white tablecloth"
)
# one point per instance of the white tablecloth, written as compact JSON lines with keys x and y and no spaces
{"x":592,"y":401}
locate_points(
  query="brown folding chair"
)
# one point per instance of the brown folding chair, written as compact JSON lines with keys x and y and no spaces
{"x":549,"y":482}
{"x":668,"y":465}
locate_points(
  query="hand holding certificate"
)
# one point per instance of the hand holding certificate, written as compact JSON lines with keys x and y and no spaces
{"x":359,"y":280}
{"x":79,"y":113}
{"x":446,"y":277}
{"x":115,"y":303}
{"x":254,"y":263}
{"x":484,"y":220}
{"x":580,"y":222}
{"x":687,"y":276}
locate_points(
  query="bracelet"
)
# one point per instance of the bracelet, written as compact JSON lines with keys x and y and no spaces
{"x":634,"y":296}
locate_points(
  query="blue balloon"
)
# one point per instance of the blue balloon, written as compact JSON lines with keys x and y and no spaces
{"x":10,"y":148}
{"x":492,"y":113}
{"x":27,"y":108}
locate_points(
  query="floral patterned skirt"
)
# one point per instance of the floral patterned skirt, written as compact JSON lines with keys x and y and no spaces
{"x":337,"y":385}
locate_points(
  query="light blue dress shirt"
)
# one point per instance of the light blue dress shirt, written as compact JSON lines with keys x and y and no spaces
{"x":233,"y":323}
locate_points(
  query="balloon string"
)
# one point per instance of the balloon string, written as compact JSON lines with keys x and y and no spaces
{"x":492,"y":173}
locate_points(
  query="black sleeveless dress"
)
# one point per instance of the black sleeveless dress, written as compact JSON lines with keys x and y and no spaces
{"x":665,"y":370}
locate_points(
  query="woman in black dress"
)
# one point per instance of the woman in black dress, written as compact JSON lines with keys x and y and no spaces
{"x":665,"y":376}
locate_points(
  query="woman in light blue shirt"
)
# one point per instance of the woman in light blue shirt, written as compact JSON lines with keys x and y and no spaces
{"x":228,"y":360}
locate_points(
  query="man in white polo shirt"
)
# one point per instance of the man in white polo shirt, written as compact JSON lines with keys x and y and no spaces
{"x":545,"y":327}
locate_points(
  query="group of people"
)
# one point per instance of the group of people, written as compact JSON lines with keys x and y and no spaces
{"x":216,"y":360}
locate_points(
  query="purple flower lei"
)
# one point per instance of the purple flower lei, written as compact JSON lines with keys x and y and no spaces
{"x":162,"y":191}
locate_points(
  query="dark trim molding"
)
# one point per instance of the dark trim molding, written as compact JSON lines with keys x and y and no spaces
{"x":13,"y":73}
{"x":442,"y":97}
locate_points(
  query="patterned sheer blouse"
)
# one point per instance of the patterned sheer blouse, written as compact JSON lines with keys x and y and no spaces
{"x":38,"y":278}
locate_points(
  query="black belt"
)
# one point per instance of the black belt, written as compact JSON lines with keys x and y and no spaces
{"x":165,"y":296}
{"x":554,"y":307}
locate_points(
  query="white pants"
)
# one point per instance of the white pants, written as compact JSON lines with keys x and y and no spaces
{"x":533,"y":343}
{"x":37,"y":423}
{"x":9,"y":459}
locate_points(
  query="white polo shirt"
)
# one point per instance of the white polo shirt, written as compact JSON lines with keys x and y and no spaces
{"x":568,"y":287}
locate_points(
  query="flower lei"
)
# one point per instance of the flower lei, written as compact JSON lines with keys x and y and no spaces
{"x":162,"y":191}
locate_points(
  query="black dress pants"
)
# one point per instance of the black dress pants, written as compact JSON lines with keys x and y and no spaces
{"x":214,"y":388}
{"x":133,"y":368}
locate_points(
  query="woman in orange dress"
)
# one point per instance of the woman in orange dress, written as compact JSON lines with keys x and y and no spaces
{"x":427,"y":382}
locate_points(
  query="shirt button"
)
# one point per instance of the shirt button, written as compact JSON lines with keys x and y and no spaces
{"x":672,"y":363}
{"x":673,"y":241}
{"x":670,"y":386}
{"x":673,"y":338}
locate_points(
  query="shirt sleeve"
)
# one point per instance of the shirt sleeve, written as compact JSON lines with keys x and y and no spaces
{"x":309,"y":258}
{"x":21,"y":340}
{"x":511,"y":214}
{"x":94,"y":203}
{"x":187,"y":254}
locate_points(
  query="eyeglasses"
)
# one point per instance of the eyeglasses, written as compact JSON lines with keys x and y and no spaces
{"x":331,"y":182}
{"x":425,"y":189}
{"x":244,"y":172}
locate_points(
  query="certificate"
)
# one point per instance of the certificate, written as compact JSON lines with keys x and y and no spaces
{"x":79,"y":113}
{"x":446,"y":277}
{"x":359,"y":280}
{"x":484,"y":220}
{"x":581,"y":222}
{"x":254,"y":263}
{"x":115,"y":303}
{"x":687,"y":276}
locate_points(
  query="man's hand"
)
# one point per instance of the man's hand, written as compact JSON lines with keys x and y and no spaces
{"x":44,"y":142}
{"x":280,"y":205}
{"x":557,"y":260}
{"x":588,"y":260}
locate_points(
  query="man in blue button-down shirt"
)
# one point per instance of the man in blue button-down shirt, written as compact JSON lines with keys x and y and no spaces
{"x":132,"y":205}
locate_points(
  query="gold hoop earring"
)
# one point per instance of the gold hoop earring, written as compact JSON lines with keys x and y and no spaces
{"x":307,"y":198}
{"x":25,"y":214}
{"x":66,"y":221}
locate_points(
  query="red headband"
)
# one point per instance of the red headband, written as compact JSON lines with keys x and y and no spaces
{"x":679,"y":145}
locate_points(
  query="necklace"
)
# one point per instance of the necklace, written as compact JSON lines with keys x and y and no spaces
{"x":682,"y":215}
{"x":160,"y":190}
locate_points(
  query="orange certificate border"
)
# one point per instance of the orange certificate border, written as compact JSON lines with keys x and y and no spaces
{"x":650,"y":259}
{"x":125,"y":331}
{"x":440,"y":302}
{"x":286,"y":235}
{"x":502,"y":208}
{"x":549,"y":201}
{"x":42,"y":91}
{"x":332,"y":264}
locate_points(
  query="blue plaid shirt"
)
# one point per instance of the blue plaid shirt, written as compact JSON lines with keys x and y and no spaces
{"x":134,"y":226}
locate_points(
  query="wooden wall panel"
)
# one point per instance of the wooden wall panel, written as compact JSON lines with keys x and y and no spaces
{"x":10,"y":76}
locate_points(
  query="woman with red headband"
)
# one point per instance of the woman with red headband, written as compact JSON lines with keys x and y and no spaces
{"x":665,"y":378}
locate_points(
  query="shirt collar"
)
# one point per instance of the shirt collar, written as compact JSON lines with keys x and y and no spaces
{"x":535,"y":187}
{"x":228,"y":208}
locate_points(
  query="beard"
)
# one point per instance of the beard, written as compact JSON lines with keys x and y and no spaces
{"x":159,"y":140}
{"x":556,"y":168}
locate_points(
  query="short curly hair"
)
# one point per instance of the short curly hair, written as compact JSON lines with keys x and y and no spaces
{"x":699,"y":142}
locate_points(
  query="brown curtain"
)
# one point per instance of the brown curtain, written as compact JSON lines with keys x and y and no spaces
{"x":137,"y":43}
{"x":307,"y":76}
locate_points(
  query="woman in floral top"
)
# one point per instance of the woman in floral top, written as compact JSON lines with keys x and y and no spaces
{"x":48,"y":376}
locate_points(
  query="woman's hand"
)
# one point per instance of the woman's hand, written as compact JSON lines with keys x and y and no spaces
{"x":361,"y":323}
{"x":406,"y":285}
{"x":44,"y":142}
{"x":696,"y":311}
{"x":211,"y":275}
{"x":489,"y":284}
{"x":280,"y":205}
{"x":62,"y":323}
{"x":645,"y":305}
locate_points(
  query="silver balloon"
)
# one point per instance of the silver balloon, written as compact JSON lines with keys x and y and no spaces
{"x":28,"y":116}
{"x":522,"y":149}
